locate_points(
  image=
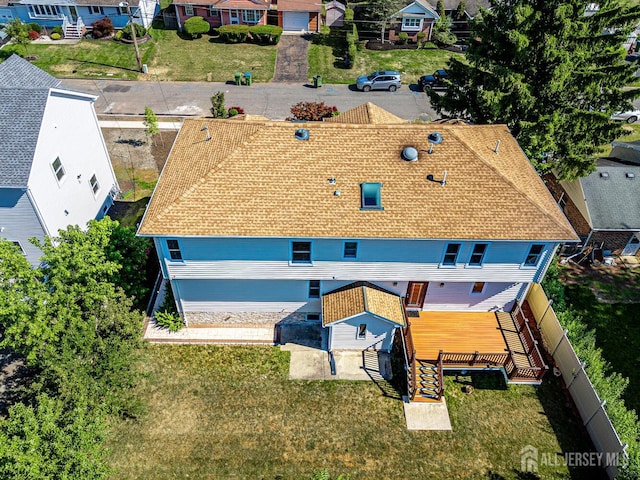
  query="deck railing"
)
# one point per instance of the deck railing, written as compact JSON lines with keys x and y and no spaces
{"x":410,"y":361}
{"x":475,"y":359}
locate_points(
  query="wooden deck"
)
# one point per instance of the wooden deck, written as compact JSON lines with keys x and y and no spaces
{"x":458,"y":332}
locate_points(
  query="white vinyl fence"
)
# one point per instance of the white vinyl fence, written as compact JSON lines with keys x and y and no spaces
{"x":591,"y":408}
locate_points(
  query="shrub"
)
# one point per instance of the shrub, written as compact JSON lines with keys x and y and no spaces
{"x":118,"y":35}
{"x":403,"y":37}
{"x":140,"y":31}
{"x":56,"y":36}
{"x":217,"y":105}
{"x":34,"y":27}
{"x":233,"y":111}
{"x":352,"y":53}
{"x":57,"y":29}
{"x":265,"y":34}
{"x":348,"y":14}
{"x":102,"y":28}
{"x":234,"y":33}
{"x":354,"y":31}
{"x":169,"y":320}
{"x":312,"y":111}
{"x":196,"y":26}
{"x":33,"y":34}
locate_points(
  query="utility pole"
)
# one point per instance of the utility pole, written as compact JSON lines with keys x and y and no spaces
{"x":133,"y":34}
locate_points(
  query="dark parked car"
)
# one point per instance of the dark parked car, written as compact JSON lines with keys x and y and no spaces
{"x":381,"y":80}
{"x":434,"y":81}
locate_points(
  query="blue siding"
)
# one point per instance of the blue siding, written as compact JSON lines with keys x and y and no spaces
{"x":19,"y":221}
{"x":23,"y":12}
{"x":414,"y":251}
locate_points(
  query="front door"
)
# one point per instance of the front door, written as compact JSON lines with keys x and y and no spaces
{"x":632,"y":246}
{"x":416,"y":292}
{"x":234,"y":17}
{"x":74,"y":14}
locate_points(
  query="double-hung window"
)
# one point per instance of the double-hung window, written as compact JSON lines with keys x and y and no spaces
{"x":477,"y":254}
{"x":350,"y":250}
{"x":214,"y":12}
{"x":362,"y":331}
{"x":188,"y":10}
{"x":95,"y":186}
{"x":174,"y":250}
{"x":533,"y":257}
{"x":300,"y":252}
{"x":314,"y":288}
{"x":95,"y":10}
{"x":58,"y":169}
{"x":451,"y":255}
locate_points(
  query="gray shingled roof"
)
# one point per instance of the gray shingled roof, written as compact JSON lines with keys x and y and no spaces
{"x":21,"y":112}
{"x":613,"y":201}
{"x":15,"y":72}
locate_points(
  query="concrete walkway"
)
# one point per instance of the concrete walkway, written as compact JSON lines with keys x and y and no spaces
{"x":292,"y":60}
{"x":237,"y":335}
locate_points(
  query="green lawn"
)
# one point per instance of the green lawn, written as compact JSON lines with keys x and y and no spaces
{"x":617,"y":327}
{"x":411,"y":63}
{"x":230,"y":412}
{"x":168,"y":56}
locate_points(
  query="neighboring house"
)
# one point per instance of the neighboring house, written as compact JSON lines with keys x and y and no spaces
{"x":334,"y":13}
{"x":352,"y":223}
{"x":76,"y":16}
{"x":604,"y":207}
{"x":54,"y":166}
{"x":420,"y":15}
{"x":223,"y":12}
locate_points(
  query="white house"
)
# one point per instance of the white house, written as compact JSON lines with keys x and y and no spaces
{"x":54,"y":166}
{"x":274,"y":221}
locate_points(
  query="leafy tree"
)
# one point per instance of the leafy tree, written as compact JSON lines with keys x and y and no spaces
{"x":217,"y":105}
{"x":150,"y":122}
{"x":442,"y":27}
{"x":459,"y":13}
{"x":552,"y":74}
{"x":19,"y":33}
{"x":379,"y":11}
{"x":196,"y":26}
{"x":52,"y":440}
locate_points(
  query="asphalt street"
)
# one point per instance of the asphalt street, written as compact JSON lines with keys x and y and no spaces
{"x":273,"y":100}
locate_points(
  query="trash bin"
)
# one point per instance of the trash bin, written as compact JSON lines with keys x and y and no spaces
{"x":247,"y":78}
{"x":238,"y":77}
{"x":317,"y":81}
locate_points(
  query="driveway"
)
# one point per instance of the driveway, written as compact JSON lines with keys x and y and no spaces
{"x":291,"y":62}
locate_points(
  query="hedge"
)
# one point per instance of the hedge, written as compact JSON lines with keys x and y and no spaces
{"x":234,"y":33}
{"x":265,"y":34}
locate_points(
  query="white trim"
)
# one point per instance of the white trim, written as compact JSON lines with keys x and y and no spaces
{"x":412,"y":28}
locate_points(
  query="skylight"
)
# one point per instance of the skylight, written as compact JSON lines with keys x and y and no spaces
{"x":371,"y":199}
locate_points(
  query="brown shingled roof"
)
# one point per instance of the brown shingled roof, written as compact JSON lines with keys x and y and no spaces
{"x":367,"y":113}
{"x":361,"y":297}
{"x":256,"y":179}
{"x":299,"y":5}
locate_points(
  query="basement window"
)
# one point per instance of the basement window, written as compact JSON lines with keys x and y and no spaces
{"x":371,"y":196}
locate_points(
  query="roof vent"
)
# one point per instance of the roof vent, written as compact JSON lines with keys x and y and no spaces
{"x":630,"y":175}
{"x":302,"y":134}
{"x":409,"y":154}
{"x":434,"y":138}
{"x":604,"y":175}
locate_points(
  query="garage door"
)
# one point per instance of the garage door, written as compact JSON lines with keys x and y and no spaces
{"x":296,"y":21}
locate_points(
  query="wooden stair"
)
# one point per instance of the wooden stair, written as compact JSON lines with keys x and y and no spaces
{"x":522,"y":347}
{"x":428,"y":381}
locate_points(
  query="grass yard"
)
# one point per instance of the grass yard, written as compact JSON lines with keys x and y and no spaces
{"x":324,"y":60}
{"x":230,"y":412}
{"x":617,"y":327}
{"x":168,"y":56}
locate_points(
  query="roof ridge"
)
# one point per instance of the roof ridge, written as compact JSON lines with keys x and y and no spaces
{"x":509,"y":181}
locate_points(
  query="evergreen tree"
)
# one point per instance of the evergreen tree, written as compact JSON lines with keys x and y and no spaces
{"x":549,"y":72}
{"x":442,"y":33}
{"x":460,"y":15}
